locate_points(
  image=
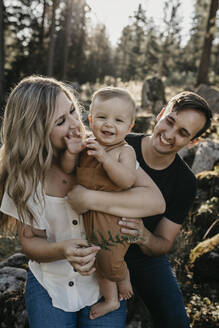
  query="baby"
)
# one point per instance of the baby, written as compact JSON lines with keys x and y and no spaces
{"x":108,"y":164}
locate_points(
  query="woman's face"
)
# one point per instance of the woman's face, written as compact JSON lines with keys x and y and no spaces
{"x":66,"y":121}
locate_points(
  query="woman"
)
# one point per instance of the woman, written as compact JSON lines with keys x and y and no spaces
{"x":39,"y":115}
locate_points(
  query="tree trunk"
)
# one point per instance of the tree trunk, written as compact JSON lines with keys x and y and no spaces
{"x":69,"y":9}
{"x":202,"y":76}
{"x":41,"y":38}
{"x":52,"y":39}
{"x":1,"y":53}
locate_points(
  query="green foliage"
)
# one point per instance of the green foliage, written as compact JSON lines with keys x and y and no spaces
{"x":98,"y":239}
{"x":85,"y":53}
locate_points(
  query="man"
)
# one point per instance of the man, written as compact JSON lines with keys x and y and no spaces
{"x":185,"y":118}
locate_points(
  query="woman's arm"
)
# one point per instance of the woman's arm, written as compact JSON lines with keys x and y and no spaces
{"x":37,"y":248}
{"x":143,"y":200}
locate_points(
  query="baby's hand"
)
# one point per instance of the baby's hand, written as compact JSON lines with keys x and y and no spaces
{"x":96,"y":150}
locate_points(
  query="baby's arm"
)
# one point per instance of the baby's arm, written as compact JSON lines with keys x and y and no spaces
{"x":121,"y":172}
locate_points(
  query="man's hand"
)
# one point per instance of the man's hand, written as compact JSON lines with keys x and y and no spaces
{"x":134,"y":228}
{"x":77,"y":199}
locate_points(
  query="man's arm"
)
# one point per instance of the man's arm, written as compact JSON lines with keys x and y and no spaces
{"x":144,"y":200}
{"x":153,"y":244}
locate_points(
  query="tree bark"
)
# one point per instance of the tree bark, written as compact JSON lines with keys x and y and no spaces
{"x":1,"y":52}
{"x":69,"y":9}
{"x":202,"y":76}
{"x":42,"y":32}
{"x":52,"y":39}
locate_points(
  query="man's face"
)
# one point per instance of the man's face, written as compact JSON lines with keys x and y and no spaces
{"x":174,"y":130}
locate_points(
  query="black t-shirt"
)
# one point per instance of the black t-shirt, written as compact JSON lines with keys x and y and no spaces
{"x":177,"y":184}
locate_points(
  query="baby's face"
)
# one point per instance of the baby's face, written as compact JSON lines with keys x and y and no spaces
{"x":111,"y":120}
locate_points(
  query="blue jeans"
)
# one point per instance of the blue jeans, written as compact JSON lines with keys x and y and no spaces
{"x":155,"y":283}
{"x":41,"y":312}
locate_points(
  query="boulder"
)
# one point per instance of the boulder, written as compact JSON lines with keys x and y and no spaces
{"x":153,"y":95}
{"x":76,"y":86}
{"x":211,"y":95}
{"x":12,"y":282}
{"x":202,"y":156}
{"x":207,"y":154}
{"x":143,"y":124}
{"x":207,"y":185}
{"x":204,"y":260}
{"x":17,"y":260}
{"x":204,"y":217}
{"x":188,"y":154}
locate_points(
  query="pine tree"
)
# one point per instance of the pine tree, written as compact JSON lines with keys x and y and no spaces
{"x":192,"y":50}
{"x":171,"y":38}
{"x":202,"y":76}
{"x":2,"y":52}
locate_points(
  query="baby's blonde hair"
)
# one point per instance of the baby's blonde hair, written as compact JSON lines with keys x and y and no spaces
{"x":107,"y":93}
{"x":26,"y":153}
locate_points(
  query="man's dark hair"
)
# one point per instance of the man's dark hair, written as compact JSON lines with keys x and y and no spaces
{"x":191,"y":100}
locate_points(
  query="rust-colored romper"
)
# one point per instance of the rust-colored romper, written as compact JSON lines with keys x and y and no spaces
{"x":109,"y":263}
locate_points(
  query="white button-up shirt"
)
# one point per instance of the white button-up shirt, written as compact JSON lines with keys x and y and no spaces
{"x":68,"y":290}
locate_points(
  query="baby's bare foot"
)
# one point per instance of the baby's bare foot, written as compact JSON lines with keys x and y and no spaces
{"x":102,"y":308}
{"x":125,"y":288}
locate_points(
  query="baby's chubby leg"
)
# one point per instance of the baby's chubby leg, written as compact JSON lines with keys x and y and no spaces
{"x":111,"y":301}
{"x":125,"y":287}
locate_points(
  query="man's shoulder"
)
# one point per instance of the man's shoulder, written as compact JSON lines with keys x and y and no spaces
{"x":131,"y":137}
{"x":184,"y":169}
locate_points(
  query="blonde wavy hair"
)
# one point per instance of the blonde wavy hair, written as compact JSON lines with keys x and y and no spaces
{"x":26,"y":153}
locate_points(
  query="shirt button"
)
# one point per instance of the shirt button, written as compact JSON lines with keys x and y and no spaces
{"x":71,"y":283}
{"x":74,"y":222}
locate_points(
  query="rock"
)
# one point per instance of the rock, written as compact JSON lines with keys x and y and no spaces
{"x":76,"y":86}
{"x":206,"y":246}
{"x":207,"y":185}
{"x":17,"y":260}
{"x":11,"y":279}
{"x":202,"y":156}
{"x":12,"y":282}
{"x":153,"y":95}
{"x":206,"y":268}
{"x":204,"y":259}
{"x":204,"y":216}
{"x":211,"y":95}
{"x":188,"y":154}
{"x":207,"y":154}
{"x":143,"y":124}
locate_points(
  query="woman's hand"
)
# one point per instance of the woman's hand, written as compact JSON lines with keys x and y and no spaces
{"x":134,"y":228}
{"x":80,"y":255}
